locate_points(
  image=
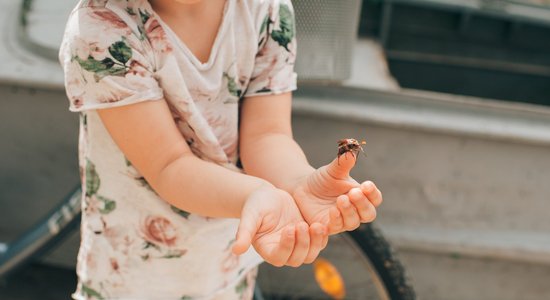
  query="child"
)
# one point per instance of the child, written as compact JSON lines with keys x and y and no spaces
{"x":171,"y":94}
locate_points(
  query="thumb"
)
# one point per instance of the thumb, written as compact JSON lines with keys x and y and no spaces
{"x":245,"y":233}
{"x":342,"y":165}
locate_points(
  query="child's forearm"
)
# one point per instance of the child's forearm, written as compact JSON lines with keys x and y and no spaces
{"x":277,"y":158}
{"x":204,"y":188}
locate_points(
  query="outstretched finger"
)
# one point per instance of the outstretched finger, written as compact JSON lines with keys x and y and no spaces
{"x":245,"y":233}
{"x":364,"y":207}
{"x":370,"y":214}
{"x":301,"y":246}
{"x":372,"y":192}
{"x":317,"y":233}
{"x":335,"y":223}
{"x":325,"y":241}
{"x":279,"y":256}
{"x":349,"y":213}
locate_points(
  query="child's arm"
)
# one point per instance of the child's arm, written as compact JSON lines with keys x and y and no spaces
{"x":324,"y":195}
{"x":270,"y":220}
{"x":148,"y":137}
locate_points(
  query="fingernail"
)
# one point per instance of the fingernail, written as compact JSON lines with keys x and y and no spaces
{"x":346,"y":204}
{"x":368,"y":185}
{"x":356,"y":191}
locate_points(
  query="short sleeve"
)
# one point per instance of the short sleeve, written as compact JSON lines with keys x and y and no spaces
{"x":105,"y":62}
{"x":274,"y":63}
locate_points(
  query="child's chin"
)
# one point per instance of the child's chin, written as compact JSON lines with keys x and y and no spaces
{"x":188,"y":1}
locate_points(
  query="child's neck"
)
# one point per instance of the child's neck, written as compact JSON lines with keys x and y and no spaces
{"x":195,"y":23}
{"x":176,"y":9}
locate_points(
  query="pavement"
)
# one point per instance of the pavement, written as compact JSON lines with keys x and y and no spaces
{"x":38,"y":281}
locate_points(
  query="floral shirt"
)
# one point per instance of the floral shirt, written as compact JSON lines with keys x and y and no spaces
{"x":118,"y":52}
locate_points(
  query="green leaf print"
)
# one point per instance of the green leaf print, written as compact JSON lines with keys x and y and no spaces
{"x":120,"y":51}
{"x":142,"y":181}
{"x":144,"y":15}
{"x":286,"y":22}
{"x":130,"y":11}
{"x":141,"y":30}
{"x":117,"y":71}
{"x":92,"y":65}
{"x":180,"y":212}
{"x":89,"y":292}
{"x":174,"y":254}
{"x":92,"y":179}
{"x":148,"y":245}
{"x":145,"y":257}
{"x":264,"y":24}
{"x":84,"y":119}
{"x":264,"y":90}
{"x":101,"y":68}
{"x":171,"y":255}
{"x":108,"y":205}
{"x":186,"y":298}
{"x":232,"y":86}
{"x":241,"y":287}
{"x":231,"y":242}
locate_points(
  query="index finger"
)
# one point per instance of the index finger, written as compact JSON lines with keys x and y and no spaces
{"x":372,"y":192}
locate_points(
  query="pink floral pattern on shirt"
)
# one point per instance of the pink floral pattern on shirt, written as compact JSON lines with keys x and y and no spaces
{"x":119,"y":52}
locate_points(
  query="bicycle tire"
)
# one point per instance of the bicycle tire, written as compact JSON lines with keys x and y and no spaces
{"x":385,"y":261}
{"x":373,"y":273}
{"x":47,"y":233}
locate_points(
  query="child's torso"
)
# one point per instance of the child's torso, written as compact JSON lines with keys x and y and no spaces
{"x":131,"y":238}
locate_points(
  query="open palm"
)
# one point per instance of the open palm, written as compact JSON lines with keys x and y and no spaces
{"x":330,"y":196}
{"x":272,"y":223}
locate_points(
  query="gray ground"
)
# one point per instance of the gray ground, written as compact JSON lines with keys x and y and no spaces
{"x":38,"y":281}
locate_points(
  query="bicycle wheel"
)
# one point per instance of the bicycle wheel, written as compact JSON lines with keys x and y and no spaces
{"x":355,"y":265}
{"x":43,"y":236}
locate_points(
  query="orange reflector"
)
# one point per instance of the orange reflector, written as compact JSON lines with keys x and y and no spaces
{"x":329,"y":279}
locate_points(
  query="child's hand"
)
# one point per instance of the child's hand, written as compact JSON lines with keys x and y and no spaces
{"x":272,"y":223}
{"x":330,"y":196}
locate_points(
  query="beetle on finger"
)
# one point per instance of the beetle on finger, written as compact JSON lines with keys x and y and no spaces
{"x":350,"y":145}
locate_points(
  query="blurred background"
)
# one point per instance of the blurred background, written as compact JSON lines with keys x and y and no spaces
{"x":452,"y":97}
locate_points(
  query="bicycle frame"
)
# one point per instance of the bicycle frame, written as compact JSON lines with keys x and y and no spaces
{"x":44,"y":234}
